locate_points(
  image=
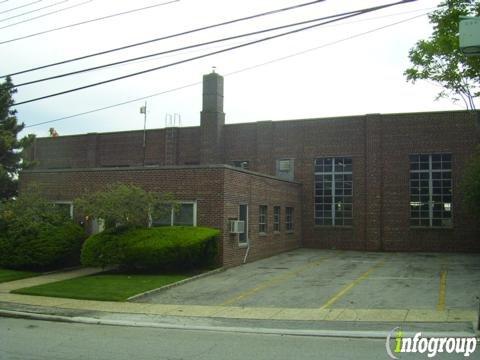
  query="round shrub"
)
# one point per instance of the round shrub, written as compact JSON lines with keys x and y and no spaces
{"x":165,"y":248}
{"x":41,"y":246}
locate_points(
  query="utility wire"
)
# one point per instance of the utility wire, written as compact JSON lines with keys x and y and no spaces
{"x":165,"y":37}
{"x":182,"y":48}
{"x":19,"y":7}
{"x":361,"y":12}
{"x":155,"y":58}
{"x":88,"y":21}
{"x":32,"y":11}
{"x":225,"y":75}
{"x":46,"y":14}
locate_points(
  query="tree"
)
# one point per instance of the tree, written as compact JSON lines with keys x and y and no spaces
{"x":439,"y":58}
{"x":471,"y":185}
{"x":124,"y":204}
{"x":11,"y":149}
{"x":37,"y":234}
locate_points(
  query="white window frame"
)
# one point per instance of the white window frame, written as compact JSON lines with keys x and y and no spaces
{"x":265,"y":218}
{"x":66,"y":203}
{"x":194,"y":203}
{"x":172,"y":212}
{"x":292,"y":218}
{"x":277,"y":221}
{"x":430,"y":172}
{"x":332,"y":174}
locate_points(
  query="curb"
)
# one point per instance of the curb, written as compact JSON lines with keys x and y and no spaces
{"x":175,"y":284}
{"x":370,"y":334}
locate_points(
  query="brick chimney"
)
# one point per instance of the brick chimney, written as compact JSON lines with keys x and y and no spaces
{"x":212,"y":120}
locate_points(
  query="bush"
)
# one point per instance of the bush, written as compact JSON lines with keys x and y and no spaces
{"x":41,"y":247}
{"x":37,"y":235}
{"x":165,"y":248}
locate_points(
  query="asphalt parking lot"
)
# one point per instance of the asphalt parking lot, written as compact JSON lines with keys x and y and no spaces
{"x":328,"y":279}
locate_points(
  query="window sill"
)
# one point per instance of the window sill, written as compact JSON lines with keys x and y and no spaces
{"x":276,"y":232}
{"x":262,"y":234}
{"x":290,"y":232}
{"x":243,"y":245}
{"x":431,"y":228}
{"x":333,"y":227}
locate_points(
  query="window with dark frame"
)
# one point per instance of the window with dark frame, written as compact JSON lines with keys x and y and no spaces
{"x":276,"y":218}
{"x":289,"y":219}
{"x":333,"y":191}
{"x":431,"y":190}
{"x":262,"y":218}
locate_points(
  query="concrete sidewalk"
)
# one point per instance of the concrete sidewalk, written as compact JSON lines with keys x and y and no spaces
{"x":443,"y":318}
{"x":236,"y":312}
{"x":6,"y":287}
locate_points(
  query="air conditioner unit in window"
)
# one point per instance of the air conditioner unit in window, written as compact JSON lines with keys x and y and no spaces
{"x":237,"y":227}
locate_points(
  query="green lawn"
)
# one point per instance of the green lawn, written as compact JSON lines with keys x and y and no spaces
{"x":107,"y":286}
{"x":10,"y":275}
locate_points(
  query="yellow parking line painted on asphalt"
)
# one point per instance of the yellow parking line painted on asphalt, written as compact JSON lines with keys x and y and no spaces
{"x":272,"y":282}
{"x":348,"y":287}
{"x":442,"y":291}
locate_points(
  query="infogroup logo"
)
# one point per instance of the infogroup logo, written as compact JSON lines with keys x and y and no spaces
{"x":432,"y":346}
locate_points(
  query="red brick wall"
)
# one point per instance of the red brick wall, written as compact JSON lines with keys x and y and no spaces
{"x":378,"y":144}
{"x":204,"y":185}
{"x":245,"y":188}
{"x":218,"y":191}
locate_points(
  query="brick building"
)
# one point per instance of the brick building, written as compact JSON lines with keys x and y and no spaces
{"x":373,"y":182}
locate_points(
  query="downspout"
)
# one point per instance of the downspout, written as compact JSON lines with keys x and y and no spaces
{"x":246,"y":253}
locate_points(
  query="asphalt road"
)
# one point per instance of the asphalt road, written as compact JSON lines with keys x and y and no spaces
{"x":32,"y":339}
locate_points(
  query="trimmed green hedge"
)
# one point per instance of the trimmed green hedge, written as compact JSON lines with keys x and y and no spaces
{"x":162,"y":248}
{"x":41,"y":247}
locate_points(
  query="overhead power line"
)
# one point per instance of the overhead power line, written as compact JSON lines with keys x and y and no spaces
{"x":32,"y":11}
{"x":46,"y":14}
{"x":360,"y":12}
{"x":19,"y":7}
{"x":225,"y":75}
{"x":88,"y":21}
{"x":183,"y":48}
{"x":191,"y":31}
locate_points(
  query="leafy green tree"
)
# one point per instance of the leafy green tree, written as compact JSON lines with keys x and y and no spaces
{"x":37,"y":234}
{"x":11,"y":148}
{"x":471,"y":185}
{"x":124,"y":204}
{"x":439,"y":58}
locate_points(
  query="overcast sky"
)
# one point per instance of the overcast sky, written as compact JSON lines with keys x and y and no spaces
{"x":357,"y":76}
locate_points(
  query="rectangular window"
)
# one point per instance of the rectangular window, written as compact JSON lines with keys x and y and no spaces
{"x":66,"y":207}
{"x":285,"y":169}
{"x":289,"y":219}
{"x":333,"y":191}
{"x":276,"y":218}
{"x":243,"y":216}
{"x":183,"y":214}
{"x":431,"y":190}
{"x":262,"y":218}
